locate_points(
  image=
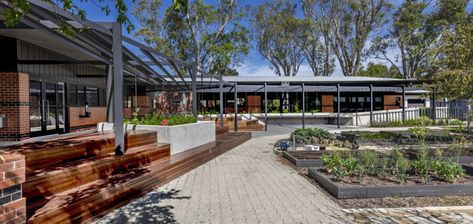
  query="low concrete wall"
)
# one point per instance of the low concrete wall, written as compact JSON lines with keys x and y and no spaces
{"x":180,"y":137}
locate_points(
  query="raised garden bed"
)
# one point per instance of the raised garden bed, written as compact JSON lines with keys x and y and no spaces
{"x":398,"y":137}
{"x":308,"y":158}
{"x":304,"y":158}
{"x":466,"y":156}
{"x":387,"y":188}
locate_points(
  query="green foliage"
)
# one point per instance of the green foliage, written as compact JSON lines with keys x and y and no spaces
{"x":12,"y":17}
{"x":212,"y":35}
{"x":296,"y":108}
{"x":332,"y":161}
{"x":402,"y":165}
{"x":422,"y":164}
{"x":346,"y":26}
{"x":379,"y":70}
{"x":280,"y":35}
{"x":368,"y":160}
{"x":157,"y":119}
{"x":421,"y":133}
{"x":349,"y":165}
{"x":385,"y":162}
{"x":312,"y":136}
{"x":341,"y":167}
{"x":447,"y":170}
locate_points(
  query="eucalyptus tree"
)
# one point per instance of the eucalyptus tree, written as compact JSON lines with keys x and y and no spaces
{"x":318,"y":53}
{"x":210,"y":35}
{"x":347,"y":25}
{"x":416,"y":34}
{"x":280,"y":36}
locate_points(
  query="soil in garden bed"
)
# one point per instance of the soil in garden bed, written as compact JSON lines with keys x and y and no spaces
{"x":391,"y":180}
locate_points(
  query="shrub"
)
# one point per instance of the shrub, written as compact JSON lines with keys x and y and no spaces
{"x":420,"y":132}
{"x":448,"y":170}
{"x":312,"y":136}
{"x":158,"y":119}
{"x":384,"y":166}
{"x":368,"y":160}
{"x":402,"y":165}
{"x":349,"y":164}
{"x":422,"y":164}
{"x":332,"y":161}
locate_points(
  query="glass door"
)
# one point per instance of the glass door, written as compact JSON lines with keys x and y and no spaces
{"x":36,"y":110}
{"x":46,"y":108}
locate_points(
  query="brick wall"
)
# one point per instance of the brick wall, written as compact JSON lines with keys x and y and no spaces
{"x":14,"y":105}
{"x":12,"y":176}
{"x":76,"y":122}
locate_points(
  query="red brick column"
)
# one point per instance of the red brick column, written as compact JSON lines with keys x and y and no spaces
{"x":14,"y":106}
{"x":12,"y":175}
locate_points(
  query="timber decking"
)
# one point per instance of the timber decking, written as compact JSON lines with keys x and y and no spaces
{"x":114,"y":189}
{"x":39,"y":155}
{"x":46,"y":183}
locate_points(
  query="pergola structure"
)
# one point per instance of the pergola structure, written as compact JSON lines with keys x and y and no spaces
{"x":305,"y":85}
{"x":104,"y":45}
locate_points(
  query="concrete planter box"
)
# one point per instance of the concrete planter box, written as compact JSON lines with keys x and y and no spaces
{"x":180,"y":137}
{"x":303,"y":162}
{"x":344,"y":192}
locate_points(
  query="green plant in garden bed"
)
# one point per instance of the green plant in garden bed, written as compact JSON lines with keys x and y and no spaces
{"x":366,"y":162}
{"x":158,"y":119}
{"x":312,"y":136}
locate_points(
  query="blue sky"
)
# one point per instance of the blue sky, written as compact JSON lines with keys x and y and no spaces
{"x":254,"y":64}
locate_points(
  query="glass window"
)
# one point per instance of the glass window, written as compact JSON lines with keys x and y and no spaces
{"x":72,"y":96}
{"x":378,"y":99}
{"x":103,"y":97}
{"x":361,"y":99}
{"x":80,"y":96}
{"x":92,"y":96}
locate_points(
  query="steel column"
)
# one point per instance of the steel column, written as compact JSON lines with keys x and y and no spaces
{"x":235,"y":105}
{"x":265,"y":107}
{"x":371,"y":104}
{"x":118,"y":89}
{"x":338,"y":105}
{"x":434,"y":107}
{"x":221,"y":101}
{"x":109,"y":94}
{"x":403,"y":104}
{"x":194,"y":89}
{"x":303,"y":107}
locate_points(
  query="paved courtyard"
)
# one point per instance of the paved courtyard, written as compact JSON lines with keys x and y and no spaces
{"x":245,"y":185}
{"x":249,"y":185}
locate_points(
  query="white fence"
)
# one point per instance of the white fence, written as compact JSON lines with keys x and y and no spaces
{"x":386,"y":116}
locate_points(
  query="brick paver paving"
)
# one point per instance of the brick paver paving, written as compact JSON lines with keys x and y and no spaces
{"x":244,"y":185}
{"x":413,"y":215}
